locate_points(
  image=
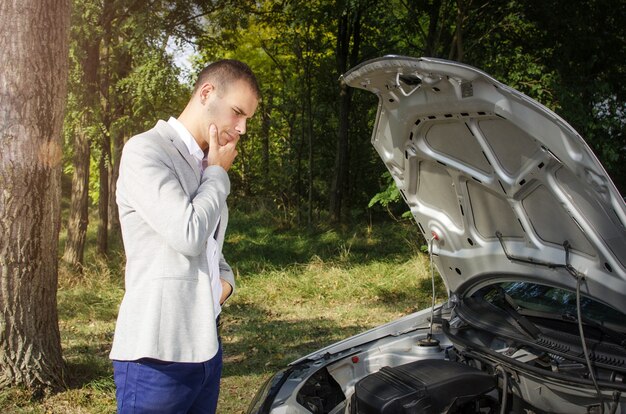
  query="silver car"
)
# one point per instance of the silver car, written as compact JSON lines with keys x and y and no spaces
{"x":527,"y":231}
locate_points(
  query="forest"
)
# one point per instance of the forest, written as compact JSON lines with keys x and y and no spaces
{"x":80,"y":77}
{"x":307,"y":151}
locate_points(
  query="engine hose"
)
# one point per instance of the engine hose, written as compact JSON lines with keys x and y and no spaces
{"x":505,"y":389}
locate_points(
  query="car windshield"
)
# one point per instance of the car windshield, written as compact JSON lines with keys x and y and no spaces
{"x":558,"y":302}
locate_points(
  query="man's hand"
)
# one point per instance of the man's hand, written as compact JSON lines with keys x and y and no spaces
{"x":227,"y":289}
{"x":222,"y":155}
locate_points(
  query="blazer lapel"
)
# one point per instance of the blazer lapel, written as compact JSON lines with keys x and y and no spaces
{"x":169,"y":133}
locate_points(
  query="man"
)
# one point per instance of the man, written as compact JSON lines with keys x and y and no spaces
{"x":172,"y":202}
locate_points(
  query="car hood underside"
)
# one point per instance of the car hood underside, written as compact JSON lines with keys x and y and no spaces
{"x":503,"y":188}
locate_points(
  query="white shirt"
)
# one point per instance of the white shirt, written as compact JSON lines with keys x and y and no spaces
{"x":212,"y":249}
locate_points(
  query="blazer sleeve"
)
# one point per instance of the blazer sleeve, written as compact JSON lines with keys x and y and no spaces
{"x":227,"y":274}
{"x":153,"y":189}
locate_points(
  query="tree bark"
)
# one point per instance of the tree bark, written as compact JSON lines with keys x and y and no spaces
{"x":34,"y":43}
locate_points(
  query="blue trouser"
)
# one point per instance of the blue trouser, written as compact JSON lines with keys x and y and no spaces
{"x":150,"y":386}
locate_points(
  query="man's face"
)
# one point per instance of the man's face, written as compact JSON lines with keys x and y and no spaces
{"x":230,"y":110}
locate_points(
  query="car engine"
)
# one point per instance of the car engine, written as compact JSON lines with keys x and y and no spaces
{"x":471,"y":371}
{"x":427,"y":386}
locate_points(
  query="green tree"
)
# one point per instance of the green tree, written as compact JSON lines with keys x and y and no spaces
{"x":81,"y":121}
{"x":123,"y":79}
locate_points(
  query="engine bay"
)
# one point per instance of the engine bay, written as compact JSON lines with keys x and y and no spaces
{"x":477,"y":358}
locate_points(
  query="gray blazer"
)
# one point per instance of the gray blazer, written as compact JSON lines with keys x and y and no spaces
{"x":167,"y":211}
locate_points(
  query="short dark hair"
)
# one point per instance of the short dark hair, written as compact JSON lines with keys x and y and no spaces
{"x":226,"y":71}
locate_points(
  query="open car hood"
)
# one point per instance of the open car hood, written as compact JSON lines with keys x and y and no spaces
{"x":504,"y":186}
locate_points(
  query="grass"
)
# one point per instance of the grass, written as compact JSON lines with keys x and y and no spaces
{"x":297,"y":291}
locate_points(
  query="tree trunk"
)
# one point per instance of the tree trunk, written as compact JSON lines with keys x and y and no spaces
{"x":309,"y":133}
{"x":266,"y":109}
{"x":336,"y":187}
{"x":434,"y":28}
{"x":341,"y":156}
{"x":114,"y":221}
{"x":117,"y":141}
{"x":456,"y":49}
{"x":34,"y":41}
{"x":242,"y":160}
{"x":102,"y":235}
{"x":104,"y":162}
{"x":79,"y":203}
{"x":349,"y":28}
{"x":107,"y":109}
{"x":299,"y":155}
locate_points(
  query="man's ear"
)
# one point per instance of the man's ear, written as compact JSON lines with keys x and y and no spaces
{"x":205,"y":90}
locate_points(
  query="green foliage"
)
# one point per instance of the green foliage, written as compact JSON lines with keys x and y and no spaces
{"x":389,"y":195}
{"x":390,"y":199}
{"x":136,"y":81}
{"x":586,"y":50}
{"x":152,"y":90}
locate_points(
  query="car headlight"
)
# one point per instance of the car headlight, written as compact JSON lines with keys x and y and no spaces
{"x":262,"y":401}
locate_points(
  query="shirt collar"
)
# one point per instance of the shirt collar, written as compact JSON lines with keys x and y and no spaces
{"x":188,"y":139}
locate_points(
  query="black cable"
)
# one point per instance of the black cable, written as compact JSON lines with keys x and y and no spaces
{"x":579,"y":278}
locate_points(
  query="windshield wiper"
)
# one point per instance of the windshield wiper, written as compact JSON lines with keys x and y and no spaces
{"x":616,"y":336}
{"x":507,"y":304}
